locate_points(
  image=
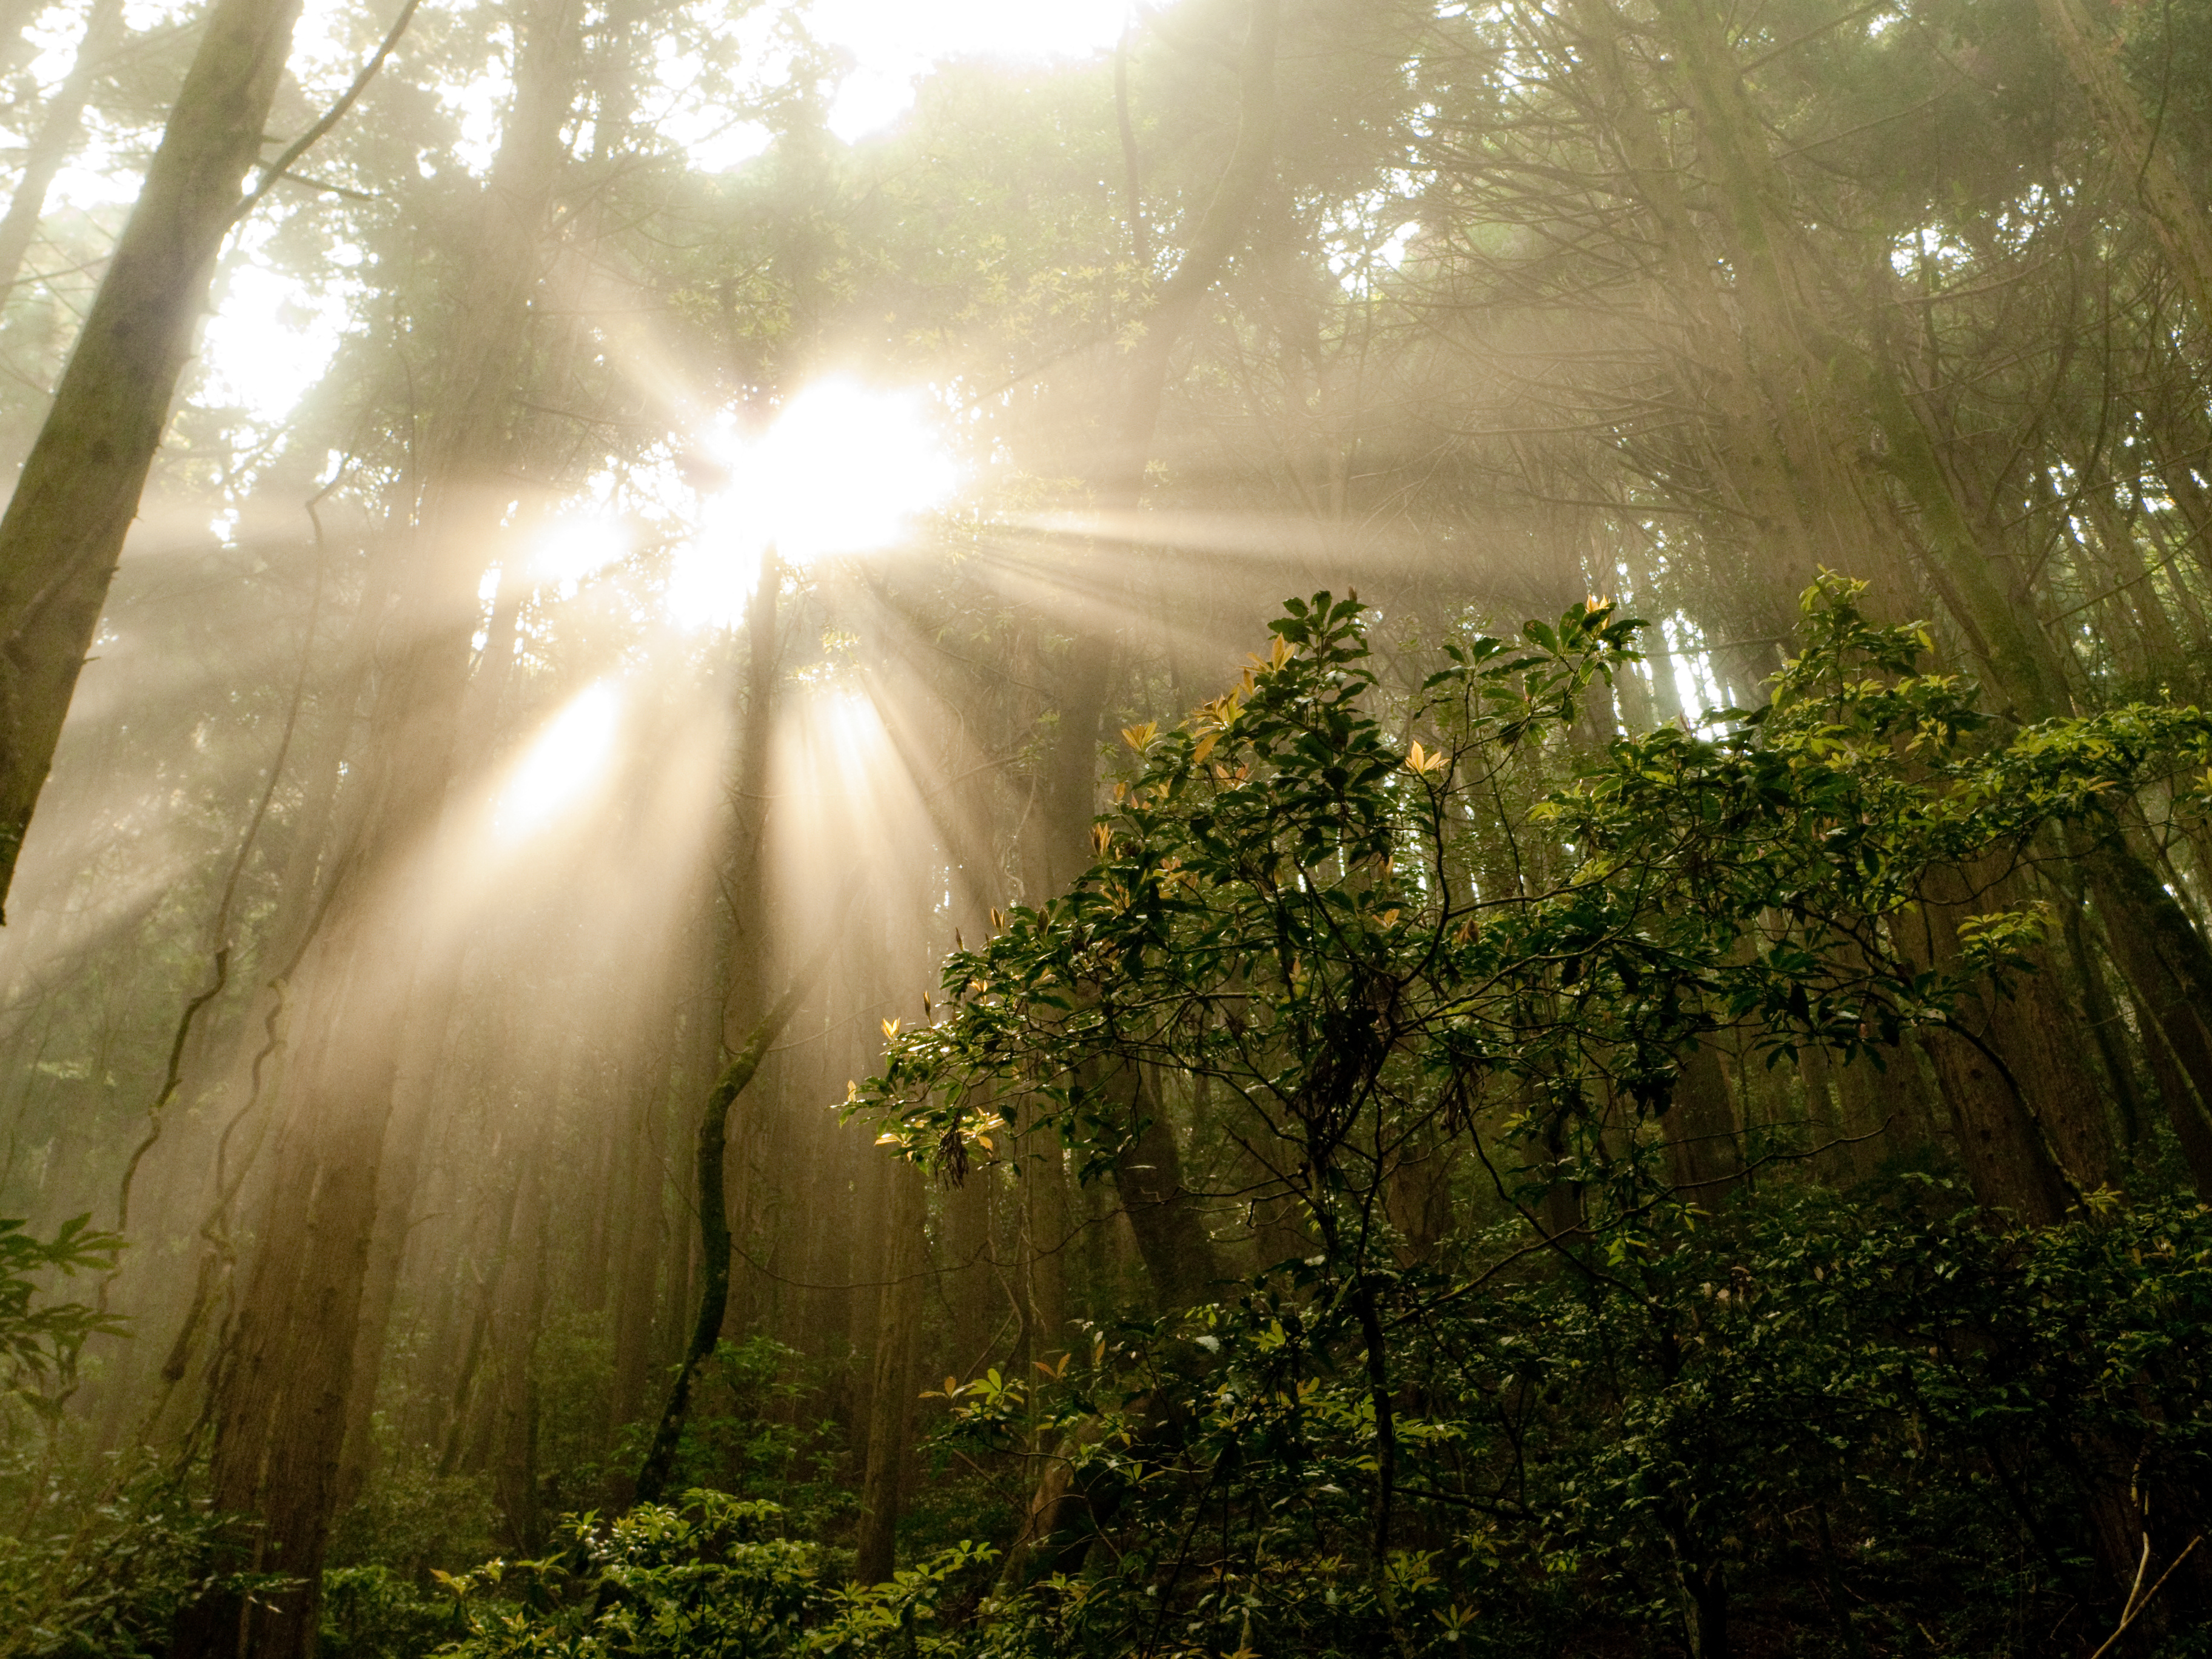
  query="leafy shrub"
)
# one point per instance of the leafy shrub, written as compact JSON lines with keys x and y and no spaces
{"x":373,"y":1612}
{"x":99,"y":1562}
{"x":713,"y":1575}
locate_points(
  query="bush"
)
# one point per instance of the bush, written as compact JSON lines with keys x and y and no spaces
{"x":713,"y":1575}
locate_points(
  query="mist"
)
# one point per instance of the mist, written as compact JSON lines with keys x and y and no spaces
{"x":1245,"y":826}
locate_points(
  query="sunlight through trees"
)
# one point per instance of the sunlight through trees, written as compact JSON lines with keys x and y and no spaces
{"x":1242,"y":827}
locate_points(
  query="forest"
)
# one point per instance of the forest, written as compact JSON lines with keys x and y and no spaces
{"x":1221,"y":828}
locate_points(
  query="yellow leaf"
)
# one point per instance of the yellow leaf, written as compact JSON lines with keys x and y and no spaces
{"x":1137,"y":737}
{"x":1204,"y":747}
{"x":1281,"y":654}
{"x":1389,"y":917}
{"x":1101,"y":839}
{"x":890,"y":1030}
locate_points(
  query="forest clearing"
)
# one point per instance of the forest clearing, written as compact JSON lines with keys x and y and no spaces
{"x":1234,"y":828}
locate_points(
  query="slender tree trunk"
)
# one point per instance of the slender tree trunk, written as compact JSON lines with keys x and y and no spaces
{"x":59,"y":131}
{"x":1704,"y":1148}
{"x":1044,"y":1255}
{"x":643,"y":1245}
{"x":659,"y":1461}
{"x":79,"y":488}
{"x":1991,"y":1065}
{"x":1157,"y":1204}
{"x":419,"y":1087}
{"x":891,"y":1393}
{"x":514,"y":1332}
{"x":972,"y":1275}
{"x":1171,"y":1234}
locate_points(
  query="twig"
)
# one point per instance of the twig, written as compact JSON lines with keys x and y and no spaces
{"x":2134,"y":1609}
{"x":217,"y":931}
{"x":276,"y":170}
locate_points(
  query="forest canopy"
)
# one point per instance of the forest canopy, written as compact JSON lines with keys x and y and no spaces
{"x":1243,"y":827}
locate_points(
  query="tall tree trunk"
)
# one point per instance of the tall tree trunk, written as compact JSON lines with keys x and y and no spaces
{"x":1047,"y":1236}
{"x":79,"y":488}
{"x":891,"y":1393}
{"x":1171,"y":1234}
{"x":1159,"y":1207}
{"x":971,"y":1282}
{"x":1704,"y":1147}
{"x":515,"y":1326}
{"x":2014,"y":1098}
{"x":418,"y":1088}
{"x":643,"y":1244}
{"x":282,"y":1397}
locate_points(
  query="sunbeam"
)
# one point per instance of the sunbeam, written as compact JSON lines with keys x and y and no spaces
{"x":562,"y":764}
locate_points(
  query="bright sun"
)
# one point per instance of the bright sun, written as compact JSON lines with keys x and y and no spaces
{"x":843,"y":469}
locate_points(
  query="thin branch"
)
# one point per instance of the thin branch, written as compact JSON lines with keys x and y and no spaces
{"x":276,"y":170}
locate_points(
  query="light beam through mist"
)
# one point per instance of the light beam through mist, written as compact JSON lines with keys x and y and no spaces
{"x":562,"y":763}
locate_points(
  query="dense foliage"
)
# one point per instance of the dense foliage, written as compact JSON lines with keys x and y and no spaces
{"x":1628,"y":1414}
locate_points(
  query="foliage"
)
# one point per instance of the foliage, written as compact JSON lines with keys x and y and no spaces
{"x":747,"y":1436}
{"x":1366,"y":945}
{"x":99,"y":1560}
{"x":715,"y":1575}
{"x":1876,"y":1421}
{"x":40,"y":1338}
{"x":411,"y":1517}
{"x":373,"y":1612}
{"x":1616,"y":1409}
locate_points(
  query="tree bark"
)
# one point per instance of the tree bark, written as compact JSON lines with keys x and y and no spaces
{"x":891,"y":1395}
{"x":79,"y":489}
{"x":638,"y":1258}
{"x":972,"y":1290}
{"x":1171,"y":1234}
{"x":2018,"y":1103}
{"x":1705,"y":1149}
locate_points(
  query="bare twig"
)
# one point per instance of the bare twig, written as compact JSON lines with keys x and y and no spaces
{"x":2134,"y":1609}
{"x":276,"y":170}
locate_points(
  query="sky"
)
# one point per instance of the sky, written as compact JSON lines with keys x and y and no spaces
{"x":895,"y":40}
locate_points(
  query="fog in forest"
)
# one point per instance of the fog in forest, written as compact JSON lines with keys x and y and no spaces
{"x":1235,"y":827}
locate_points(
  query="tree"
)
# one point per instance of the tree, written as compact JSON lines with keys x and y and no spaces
{"x":79,"y":489}
{"x":1289,"y":906}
